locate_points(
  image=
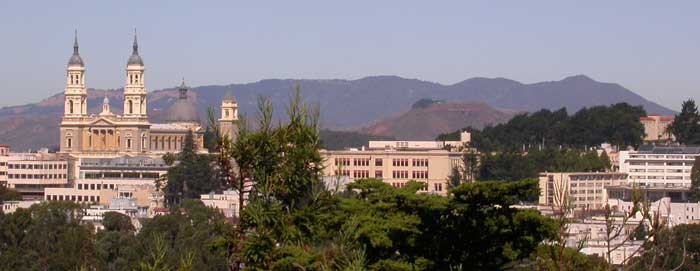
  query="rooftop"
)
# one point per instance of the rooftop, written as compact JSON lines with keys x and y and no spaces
{"x":654,"y":149}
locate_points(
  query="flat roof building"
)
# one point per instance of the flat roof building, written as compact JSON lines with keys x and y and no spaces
{"x":659,"y":165}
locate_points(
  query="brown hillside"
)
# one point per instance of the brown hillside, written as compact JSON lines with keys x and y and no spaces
{"x":427,"y":123}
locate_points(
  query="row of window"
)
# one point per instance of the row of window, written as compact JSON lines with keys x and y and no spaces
{"x":659,"y":177}
{"x":660,"y":170}
{"x":584,"y":191}
{"x":121,"y":175}
{"x":597,"y":184}
{"x":37,"y":176}
{"x":93,"y":186}
{"x":365,"y":162}
{"x":396,"y":174}
{"x":656,"y":156}
{"x":37,"y":166}
{"x":74,"y":198}
{"x":436,"y":186}
{"x":675,"y":164}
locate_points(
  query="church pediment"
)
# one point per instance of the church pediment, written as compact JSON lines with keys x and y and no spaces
{"x":102,"y":122}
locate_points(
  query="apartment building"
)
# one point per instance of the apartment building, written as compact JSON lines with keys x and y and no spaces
{"x":585,"y":190}
{"x":30,"y":173}
{"x":100,"y":180}
{"x":397,"y":162}
{"x":655,"y":128}
{"x":659,"y":165}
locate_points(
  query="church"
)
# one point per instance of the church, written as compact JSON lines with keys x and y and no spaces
{"x":132,"y":134}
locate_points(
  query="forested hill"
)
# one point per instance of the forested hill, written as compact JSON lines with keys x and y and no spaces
{"x":617,"y":124}
{"x":344,"y":104}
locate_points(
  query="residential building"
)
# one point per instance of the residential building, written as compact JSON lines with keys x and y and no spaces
{"x":99,"y":180}
{"x":671,"y":203}
{"x":659,"y":165}
{"x":10,"y":206}
{"x":655,"y":128}
{"x":227,"y":202}
{"x":583,"y":190}
{"x":30,"y":173}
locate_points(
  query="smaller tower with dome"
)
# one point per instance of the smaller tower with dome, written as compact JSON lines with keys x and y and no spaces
{"x":228,"y":123}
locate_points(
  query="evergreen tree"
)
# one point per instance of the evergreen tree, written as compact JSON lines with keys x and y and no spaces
{"x":685,"y":125}
{"x":695,"y":181}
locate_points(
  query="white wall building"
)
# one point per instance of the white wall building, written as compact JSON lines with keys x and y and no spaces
{"x":659,"y":165}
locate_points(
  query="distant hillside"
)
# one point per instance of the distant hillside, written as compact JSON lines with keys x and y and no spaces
{"x":338,"y":140}
{"x":345,"y":104}
{"x":437,"y":118}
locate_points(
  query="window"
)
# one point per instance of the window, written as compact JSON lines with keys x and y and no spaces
{"x":437,"y":186}
{"x":420,"y":174}
{"x":342,"y":161}
{"x":131,"y":107}
{"x":399,"y":174}
{"x":378,"y":162}
{"x":420,"y":162}
{"x":69,"y":143}
{"x":361,"y":174}
{"x":362,"y":162}
{"x":128,"y":143}
{"x":400,"y":162}
{"x":70,"y":107}
{"x":378,"y":174}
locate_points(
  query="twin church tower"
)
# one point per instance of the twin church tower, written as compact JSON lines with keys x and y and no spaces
{"x":110,"y":135}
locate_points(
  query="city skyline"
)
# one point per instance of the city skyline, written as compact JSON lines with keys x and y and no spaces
{"x":648,"y":49}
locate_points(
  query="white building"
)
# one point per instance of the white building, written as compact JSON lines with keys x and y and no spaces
{"x":659,"y":165}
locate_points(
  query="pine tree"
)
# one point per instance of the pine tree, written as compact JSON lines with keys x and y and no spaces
{"x":685,"y":126}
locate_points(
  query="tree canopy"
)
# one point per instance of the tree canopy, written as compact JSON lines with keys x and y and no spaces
{"x":617,"y":124}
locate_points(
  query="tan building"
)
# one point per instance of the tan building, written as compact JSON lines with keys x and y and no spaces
{"x":585,"y":190}
{"x":397,"y":162}
{"x":30,"y":173}
{"x":655,"y":128}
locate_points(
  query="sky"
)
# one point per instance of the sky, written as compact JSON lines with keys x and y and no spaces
{"x":650,"y":47}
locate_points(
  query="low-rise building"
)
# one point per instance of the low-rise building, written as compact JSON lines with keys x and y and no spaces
{"x":656,"y":128}
{"x":11,"y":206}
{"x":30,"y":173}
{"x":583,"y":190}
{"x":227,"y":202}
{"x":397,"y":162}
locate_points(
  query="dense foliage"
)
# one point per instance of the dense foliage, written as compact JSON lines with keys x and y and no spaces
{"x":191,"y":177}
{"x":686,"y":125}
{"x":514,"y":165}
{"x":617,"y":124}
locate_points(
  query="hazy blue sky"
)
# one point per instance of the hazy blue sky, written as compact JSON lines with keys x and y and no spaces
{"x":652,"y":48}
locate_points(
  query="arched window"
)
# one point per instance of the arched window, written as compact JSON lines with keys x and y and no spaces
{"x":70,"y":107}
{"x":69,"y":143}
{"x":131,"y":107}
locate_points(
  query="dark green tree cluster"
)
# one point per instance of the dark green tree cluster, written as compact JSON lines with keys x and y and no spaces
{"x":686,"y":125}
{"x":7,"y":194}
{"x":379,"y":227}
{"x":676,"y":248}
{"x":191,"y":177}
{"x":617,"y":124}
{"x":514,"y":165}
{"x":50,"y":236}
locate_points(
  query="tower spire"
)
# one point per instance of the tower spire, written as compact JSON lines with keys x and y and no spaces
{"x":183,"y":89}
{"x":75,"y":43}
{"x":136,"y":44}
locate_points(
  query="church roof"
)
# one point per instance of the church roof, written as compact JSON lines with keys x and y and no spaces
{"x":135,"y":58}
{"x":75,"y":59}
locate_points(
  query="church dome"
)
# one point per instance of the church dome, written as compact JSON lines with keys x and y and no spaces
{"x":184,"y":109}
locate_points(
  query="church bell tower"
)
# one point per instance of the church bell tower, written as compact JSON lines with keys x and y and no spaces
{"x":75,"y":92}
{"x":135,"y":90}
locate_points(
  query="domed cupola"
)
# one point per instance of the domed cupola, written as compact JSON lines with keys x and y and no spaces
{"x":75,"y":59}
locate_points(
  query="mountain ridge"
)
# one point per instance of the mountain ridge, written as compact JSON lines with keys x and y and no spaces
{"x":345,"y":104}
